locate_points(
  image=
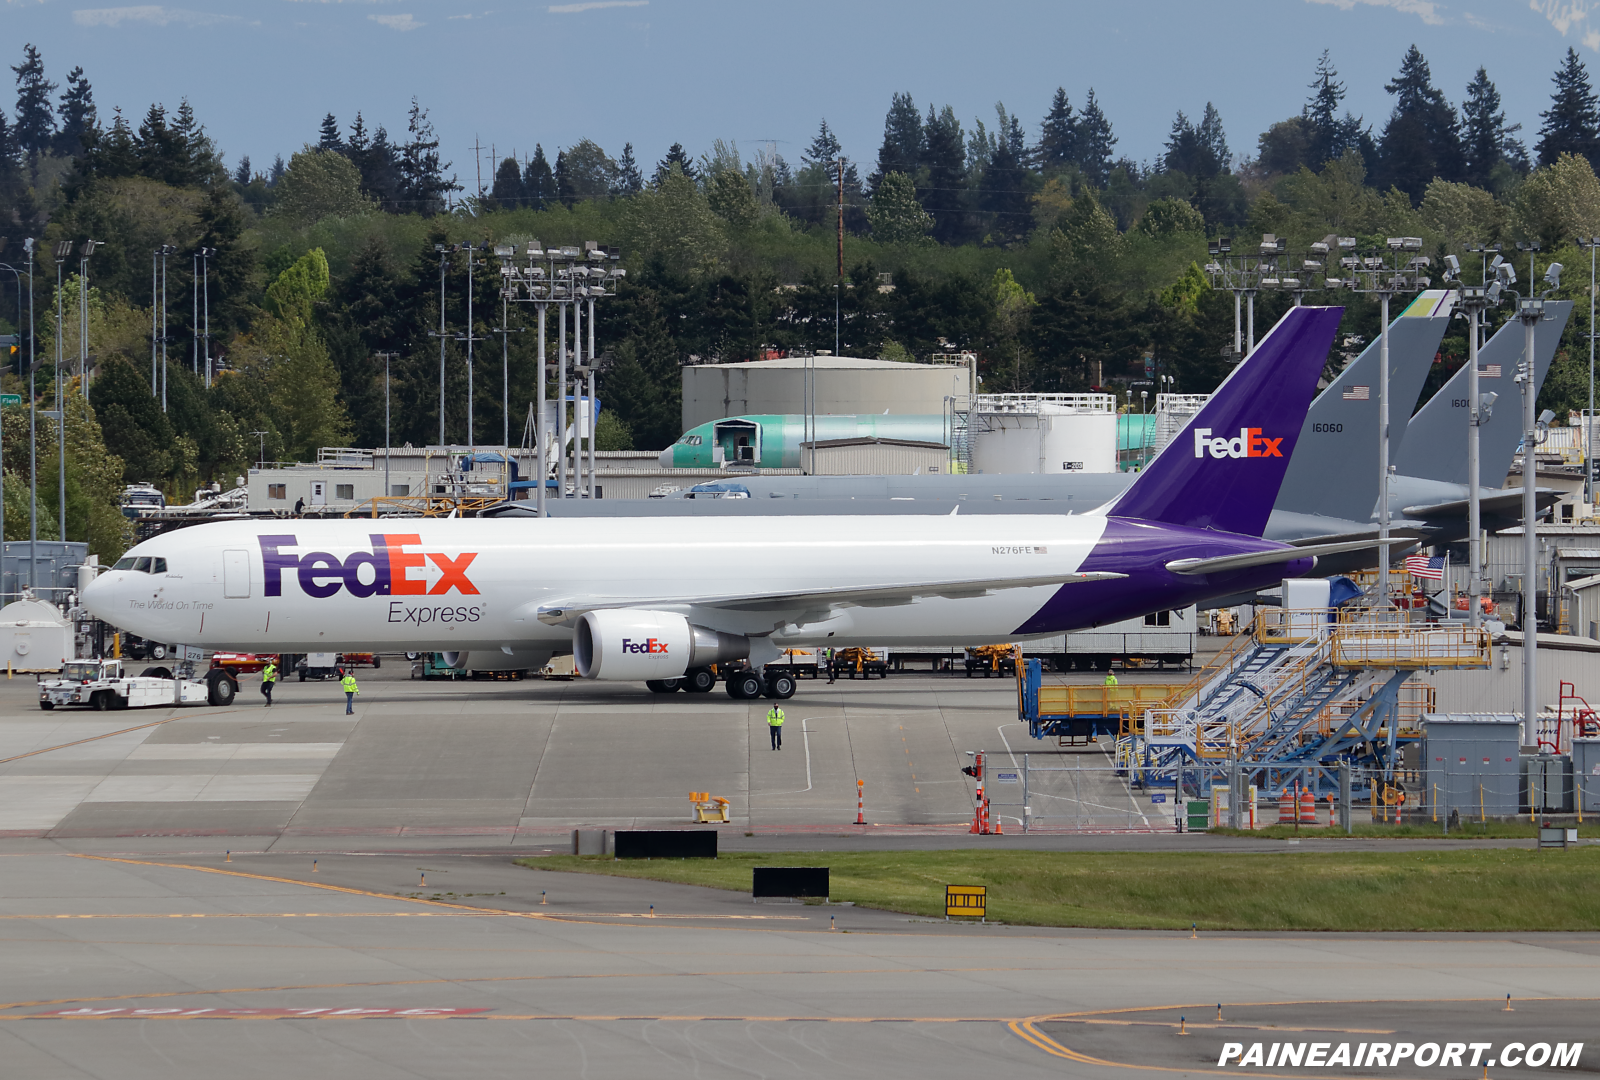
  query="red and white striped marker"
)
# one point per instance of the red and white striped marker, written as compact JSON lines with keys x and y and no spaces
{"x":861,"y":817}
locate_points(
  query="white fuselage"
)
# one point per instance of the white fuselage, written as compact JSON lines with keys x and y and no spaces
{"x":453,"y":585}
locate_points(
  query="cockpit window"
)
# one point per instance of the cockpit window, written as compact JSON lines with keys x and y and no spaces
{"x":124,"y":564}
{"x":690,"y":440}
{"x":142,"y":564}
{"x":158,"y":566}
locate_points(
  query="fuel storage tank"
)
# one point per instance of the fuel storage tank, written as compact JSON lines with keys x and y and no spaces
{"x":1043,"y":433}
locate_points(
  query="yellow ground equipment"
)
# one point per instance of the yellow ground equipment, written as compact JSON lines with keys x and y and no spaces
{"x":709,"y":809}
{"x":993,"y":660}
{"x":864,"y":662}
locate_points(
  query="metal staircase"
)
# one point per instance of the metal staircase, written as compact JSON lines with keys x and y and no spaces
{"x":1300,"y":692}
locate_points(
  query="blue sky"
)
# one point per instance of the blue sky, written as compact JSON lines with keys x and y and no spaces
{"x":262,"y":74}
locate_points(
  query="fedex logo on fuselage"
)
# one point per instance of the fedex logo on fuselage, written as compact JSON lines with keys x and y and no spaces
{"x":1250,"y":443}
{"x":649,"y":645}
{"x":321,"y":574}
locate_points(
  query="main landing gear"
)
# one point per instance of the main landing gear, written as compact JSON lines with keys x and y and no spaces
{"x":744,"y":685}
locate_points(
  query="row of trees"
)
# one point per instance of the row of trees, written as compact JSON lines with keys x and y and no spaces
{"x":1059,"y":262}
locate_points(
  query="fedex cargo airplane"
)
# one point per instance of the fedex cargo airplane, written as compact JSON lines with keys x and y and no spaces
{"x":634,"y":601}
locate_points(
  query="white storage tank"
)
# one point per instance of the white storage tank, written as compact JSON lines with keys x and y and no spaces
{"x":1043,"y":433}
{"x":34,"y":637}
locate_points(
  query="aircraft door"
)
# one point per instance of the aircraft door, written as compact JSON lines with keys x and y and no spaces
{"x":319,"y":493}
{"x":236,"y":575}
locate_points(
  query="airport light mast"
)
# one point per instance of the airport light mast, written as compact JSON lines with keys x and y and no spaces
{"x":1592,"y":243}
{"x":1393,"y":268}
{"x":1474,"y":300}
{"x":551,"y":276}
{"x":1530,"y":312}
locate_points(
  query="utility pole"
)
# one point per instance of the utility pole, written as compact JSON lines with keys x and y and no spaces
{"x":63,"y":250}
{"x":444,"y":264}
{"x":388,"y":491}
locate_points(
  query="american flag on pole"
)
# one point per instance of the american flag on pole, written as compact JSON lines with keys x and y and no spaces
{"x":1489,"y":371}
{"x":1358,"y":393}
{"x":1421,"y":566}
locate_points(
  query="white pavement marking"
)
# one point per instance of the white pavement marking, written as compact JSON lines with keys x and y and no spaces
{"x":235,"y":751}
{"x":268,"y":787}
{"x":40,"y":802}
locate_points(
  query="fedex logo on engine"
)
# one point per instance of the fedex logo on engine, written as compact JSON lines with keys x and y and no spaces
{"x":387,"y":570}
{"x":1250,"y":443}
{"x":648,"y":645}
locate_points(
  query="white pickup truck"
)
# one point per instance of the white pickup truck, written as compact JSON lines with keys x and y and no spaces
{"x":101,"y":685}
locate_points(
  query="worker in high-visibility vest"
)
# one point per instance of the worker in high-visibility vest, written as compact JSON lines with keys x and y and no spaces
{"x":269,"y":676}
{"x":775,"y":726}
{"x":1111,"y":678}
{"x":348,"y":685}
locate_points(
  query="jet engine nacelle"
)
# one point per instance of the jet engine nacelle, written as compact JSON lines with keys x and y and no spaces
{"x":627,"y":644}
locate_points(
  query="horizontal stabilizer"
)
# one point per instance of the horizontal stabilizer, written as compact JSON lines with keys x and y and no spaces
{"x":852,"y":596}
{"x":1503,"y":501}
{"x":1225,"y":563}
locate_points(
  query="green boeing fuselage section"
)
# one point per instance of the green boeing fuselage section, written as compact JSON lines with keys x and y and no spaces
{"x":774,"y":441}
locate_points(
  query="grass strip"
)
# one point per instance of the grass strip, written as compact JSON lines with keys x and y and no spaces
{"x":1470,"y":890}
{"x":1487,"y":830}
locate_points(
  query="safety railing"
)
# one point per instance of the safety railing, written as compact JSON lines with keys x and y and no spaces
{"x":1389,"y":640}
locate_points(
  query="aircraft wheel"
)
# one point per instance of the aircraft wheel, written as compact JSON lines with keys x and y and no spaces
{"x":700,"y":681}
{"x":744,"y":685}
{"x":158,"y":652}
{"x":157,"y":673}
{"x":781,"y":687}
{"x":661,"y":686}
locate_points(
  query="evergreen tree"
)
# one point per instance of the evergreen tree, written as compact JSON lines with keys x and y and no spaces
{"x":161,"y":153}
{"x":1213,"y":142}
{"x":1094,"y":142}
{"x":1486,"y":141}
{"x":241,"y":175}
{"x":629,"y":180}
{"x":902,"y":139}
{"x":565,"y":194}
{"x":77,"y":113}
{"x":538,"y":182}
{"x":676,"y":155}
{"x":507,"y":189}
{"x":1421,"y":141}
{"x":1198,"y":151}
{"x":1003,"y":193}
{"x":328,"y":137}
{"x":944,"y":156}
{"x":1327,"y":135}
{"x":35,"y":123}
{"x":824,"y":148}
{"x":423,"y":187}
{"x":1572,"y":123}
{"x":278,"y":169}
{"x":380,"y":172}
{"x":199,"y":154}
{"x":1058,"y":139}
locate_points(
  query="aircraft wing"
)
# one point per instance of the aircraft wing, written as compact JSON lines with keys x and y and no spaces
{"x":1224,"y":563}
{"x":852,"y":596}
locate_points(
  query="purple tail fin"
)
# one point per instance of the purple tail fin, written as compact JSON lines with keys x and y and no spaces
{"x":1224,"y":469}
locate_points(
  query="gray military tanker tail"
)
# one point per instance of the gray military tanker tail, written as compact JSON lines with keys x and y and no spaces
{"x":1334,"y":473}
{"x":1435,"y":441}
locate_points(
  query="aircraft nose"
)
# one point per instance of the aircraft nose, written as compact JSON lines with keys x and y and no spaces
{"x":97,"y":596}
{"x":665,"y":458}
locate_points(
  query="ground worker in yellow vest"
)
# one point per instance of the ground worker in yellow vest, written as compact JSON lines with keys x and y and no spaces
{"x":1111,"y":678}
{"x":348,"y":685}
{"x":269,"y":676}
{"x":775,"y":726}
